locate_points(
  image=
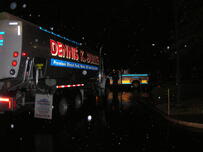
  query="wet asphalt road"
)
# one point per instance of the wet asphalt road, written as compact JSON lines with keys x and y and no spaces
{"x":120,"y":124}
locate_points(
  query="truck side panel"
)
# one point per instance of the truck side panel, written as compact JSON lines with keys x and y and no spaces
{"x":64,"y":65}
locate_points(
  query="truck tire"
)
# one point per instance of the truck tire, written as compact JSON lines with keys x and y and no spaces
{"x":63,"y":107}
{"x":78,"y":101}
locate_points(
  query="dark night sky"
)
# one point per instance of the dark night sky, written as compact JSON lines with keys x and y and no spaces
{"x":126,"y":28}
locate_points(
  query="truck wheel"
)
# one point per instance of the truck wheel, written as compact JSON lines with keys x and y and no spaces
{"x":78,"y":101}
{"x":63,"y":107}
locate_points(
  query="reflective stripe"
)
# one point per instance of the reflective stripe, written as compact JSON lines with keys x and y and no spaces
{"x":69,"y":85}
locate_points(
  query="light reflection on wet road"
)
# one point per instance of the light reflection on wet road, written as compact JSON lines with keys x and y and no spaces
{"x":120,"y":124}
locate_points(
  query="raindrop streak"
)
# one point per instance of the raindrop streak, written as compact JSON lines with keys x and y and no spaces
{"x":24,"y":5}
{"x":89,"y":118}
{"x":12,"y":126}
{"x":13,"y":5}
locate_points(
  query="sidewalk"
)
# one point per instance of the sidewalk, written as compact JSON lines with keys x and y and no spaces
{"x":187,"y":113}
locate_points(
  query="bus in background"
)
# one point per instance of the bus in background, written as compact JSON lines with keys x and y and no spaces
{"x":132,"y":80}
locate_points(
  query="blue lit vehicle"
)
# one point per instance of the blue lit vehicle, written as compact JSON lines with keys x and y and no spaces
{"x":42,"y":70}
{"x":133,"y":80}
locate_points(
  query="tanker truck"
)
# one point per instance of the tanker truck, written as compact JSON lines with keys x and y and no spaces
{"x":43,"y":71}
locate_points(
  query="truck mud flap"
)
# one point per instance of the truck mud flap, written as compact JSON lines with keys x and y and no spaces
{"x":43,"y":106}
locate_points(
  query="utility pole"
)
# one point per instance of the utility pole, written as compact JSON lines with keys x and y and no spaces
{"x":101,"y":71}
{"x":178,"y":87}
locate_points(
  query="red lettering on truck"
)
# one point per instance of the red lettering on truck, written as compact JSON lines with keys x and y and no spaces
{"x":54,"y":48}
{"x":65,"y":51}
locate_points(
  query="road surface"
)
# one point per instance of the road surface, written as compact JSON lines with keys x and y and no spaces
{"x":121,"y":123}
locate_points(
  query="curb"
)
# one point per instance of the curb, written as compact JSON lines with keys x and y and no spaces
{"x":185,"y":123}
{"x":188,"y":124}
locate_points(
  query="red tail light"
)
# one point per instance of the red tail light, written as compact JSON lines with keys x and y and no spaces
{"x":6,"y":100}
{"x":7,"y":103}
{"x":24,"y":54}
{"x":14,"y":63}
{"x":15,"y":54}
